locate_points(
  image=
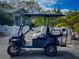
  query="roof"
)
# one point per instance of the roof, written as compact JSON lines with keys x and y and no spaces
{"x":43,"y":15}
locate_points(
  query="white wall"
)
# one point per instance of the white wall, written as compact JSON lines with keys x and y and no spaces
{"x":9,"y":30}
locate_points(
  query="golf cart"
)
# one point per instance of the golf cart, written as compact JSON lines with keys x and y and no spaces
{"x":48,"y":41}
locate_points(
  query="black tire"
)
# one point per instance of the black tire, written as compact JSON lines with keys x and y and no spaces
{"x":11,"y":52}
{"x":50,"y":50}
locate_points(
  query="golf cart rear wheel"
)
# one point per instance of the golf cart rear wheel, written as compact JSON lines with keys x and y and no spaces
{"x":13,"y":50}
{"x":50,"y":50}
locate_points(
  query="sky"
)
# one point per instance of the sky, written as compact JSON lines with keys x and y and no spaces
{"x":63,"y":4}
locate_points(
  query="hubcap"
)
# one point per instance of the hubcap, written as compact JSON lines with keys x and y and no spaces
{"x":50,"y":49}
{"x":14,"y":49}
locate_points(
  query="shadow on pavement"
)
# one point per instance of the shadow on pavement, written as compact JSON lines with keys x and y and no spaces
{"x":3,"y":35}
{"x":39,"y":54}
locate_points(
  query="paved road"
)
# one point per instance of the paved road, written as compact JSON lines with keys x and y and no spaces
{"x":63,"y":52}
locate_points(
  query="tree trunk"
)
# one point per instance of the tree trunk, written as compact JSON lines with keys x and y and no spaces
{"x":74,"y":36}
{"x":70,"y":36}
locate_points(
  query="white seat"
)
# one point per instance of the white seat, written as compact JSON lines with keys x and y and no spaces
{"x":43,"y":31}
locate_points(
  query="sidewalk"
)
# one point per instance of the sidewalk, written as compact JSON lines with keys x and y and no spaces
{"x":75,"y":44}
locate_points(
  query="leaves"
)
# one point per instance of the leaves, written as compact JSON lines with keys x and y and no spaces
{"x":76,"y":27}
{"x":5,"y":19}
{"x":5,"y":5}
{"x":38,"y":21}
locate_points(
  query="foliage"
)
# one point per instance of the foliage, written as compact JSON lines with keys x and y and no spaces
{"x":38,"y":21}
{"x":61,"y":25}
{"x":5,"y":19}
{"x":5,"y":5}
{"x":73,"y":20}
{"x":76,"y":27}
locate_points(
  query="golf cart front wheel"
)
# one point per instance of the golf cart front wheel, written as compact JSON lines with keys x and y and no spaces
{"x":13,"y":50}
{"x":50,"y":50}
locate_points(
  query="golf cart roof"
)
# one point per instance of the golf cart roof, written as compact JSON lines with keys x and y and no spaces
{"x":43,"y":15}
